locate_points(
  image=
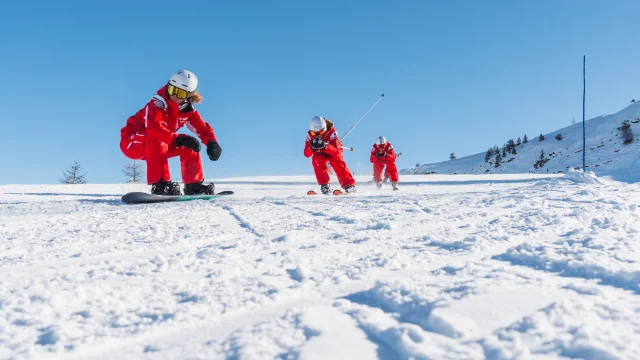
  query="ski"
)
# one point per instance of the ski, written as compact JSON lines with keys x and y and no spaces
{"x":146,"y":198}
{"x":335,"y":192}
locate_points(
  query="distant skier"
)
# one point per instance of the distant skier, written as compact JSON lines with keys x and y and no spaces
{"x":323,"y":146}
{"x":383,"y":155}
{"x":150,"y":135}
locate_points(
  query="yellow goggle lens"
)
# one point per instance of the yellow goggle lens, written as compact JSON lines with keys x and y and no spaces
{"x":179,"y":93}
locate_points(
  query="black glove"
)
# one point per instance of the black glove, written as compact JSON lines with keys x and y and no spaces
{"x":317,"y":144}
{"x":213,"y":150}
{"x":188,"y":142}
{"x":381,"y":155}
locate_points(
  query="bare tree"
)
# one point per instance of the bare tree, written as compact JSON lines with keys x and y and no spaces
{"x":74,"y":175}
{"x":134,"y":171}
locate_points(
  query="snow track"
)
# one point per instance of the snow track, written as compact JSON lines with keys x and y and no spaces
{"x":459,"y":267}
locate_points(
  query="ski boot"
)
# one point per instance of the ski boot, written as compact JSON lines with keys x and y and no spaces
{"x":379,"y":185}
{"x":325,"y":189}
{"x":394,"y":185}
{"x":350,"y":189}
{"x":198,"y":188}
{"x":165,"y":188}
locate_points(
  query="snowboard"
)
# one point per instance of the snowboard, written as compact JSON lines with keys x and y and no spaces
{"x":146,"y":198}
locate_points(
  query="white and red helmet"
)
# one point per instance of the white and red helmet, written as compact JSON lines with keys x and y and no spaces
{"x":380,"y":140}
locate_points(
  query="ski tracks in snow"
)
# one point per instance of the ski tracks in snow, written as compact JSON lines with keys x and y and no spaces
{"x":454,"y":271}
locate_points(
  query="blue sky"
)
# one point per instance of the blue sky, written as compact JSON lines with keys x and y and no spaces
{"x":457,"y":76}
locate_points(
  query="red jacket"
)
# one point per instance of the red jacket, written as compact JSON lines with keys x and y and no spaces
{"x":161,"y":118}
{"x":333,"y":145}
{"x":390,"y":154}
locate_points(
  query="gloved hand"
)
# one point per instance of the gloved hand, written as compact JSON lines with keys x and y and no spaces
{"x":382,"y":155}
{"x":188,"y":142}
{"x":317,"y":144}
{"x":213,"y":150}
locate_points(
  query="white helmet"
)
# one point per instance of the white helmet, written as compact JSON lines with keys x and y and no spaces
{"x":380,"y":140}
{"x":185,"y":80}
{"x":318,"y":123}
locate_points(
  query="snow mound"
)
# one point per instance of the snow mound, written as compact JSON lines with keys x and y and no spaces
{"x":580,"y":177}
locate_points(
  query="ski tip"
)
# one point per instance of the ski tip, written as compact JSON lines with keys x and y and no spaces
{"x":311,"y":192}
{"x":338,"y":192}
{"x":227,"y":192}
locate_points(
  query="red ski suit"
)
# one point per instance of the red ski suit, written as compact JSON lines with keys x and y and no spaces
{"x":331,"y":154}
{"x":150,"y":133}
{"x":389,"y":159}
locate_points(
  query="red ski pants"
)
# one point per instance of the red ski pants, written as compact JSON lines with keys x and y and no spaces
{"x":337,"y":163}
{"x":392,"y":170}
{"x":157,"y":154}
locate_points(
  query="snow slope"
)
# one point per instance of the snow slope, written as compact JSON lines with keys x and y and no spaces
{"x":450,"y":267}
{"x":606,"y":154}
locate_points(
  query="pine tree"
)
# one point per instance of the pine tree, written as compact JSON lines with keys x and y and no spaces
{"x":559,"y":137}
{"x":511,"y":146}
{"x":541,"y":138}
{"x":134,"y":171}
{"x":627,"y":134}
{"x":519,"y":142}
{"x":504,"y":151}
{"x":417,"y":165}
{"x":498,"y":160}
{"x":73,"y":175}
{"x":488,"y":154}
{"x":525,"y":139}
{"x":452,"y":156}
{"x":541,"y":161}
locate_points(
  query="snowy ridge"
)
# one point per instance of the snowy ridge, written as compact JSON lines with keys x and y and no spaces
{"x":607,"y":156}
{"x":449,"y":267}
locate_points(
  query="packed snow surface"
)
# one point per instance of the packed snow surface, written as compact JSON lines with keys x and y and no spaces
{"x":449,"y":267}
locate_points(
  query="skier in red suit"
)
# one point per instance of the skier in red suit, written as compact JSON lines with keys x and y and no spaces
{"x":150,"y":135}
{"x":323,"y":146}
{"x":383,"y":155}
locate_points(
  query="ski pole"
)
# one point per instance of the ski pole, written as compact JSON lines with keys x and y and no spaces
{"x":362,"y":117}
{"x":346,"y":147}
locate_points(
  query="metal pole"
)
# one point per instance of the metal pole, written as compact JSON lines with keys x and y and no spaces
{"x":362,"y":117}
{"x":584,"y":91}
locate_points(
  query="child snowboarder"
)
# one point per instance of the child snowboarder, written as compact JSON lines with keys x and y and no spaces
{"x":150,"y":135}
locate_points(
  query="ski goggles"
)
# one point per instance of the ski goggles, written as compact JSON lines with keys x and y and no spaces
{"x":380,"y":146}
{"x":318,"y":133}
{"x":179,"y":93}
